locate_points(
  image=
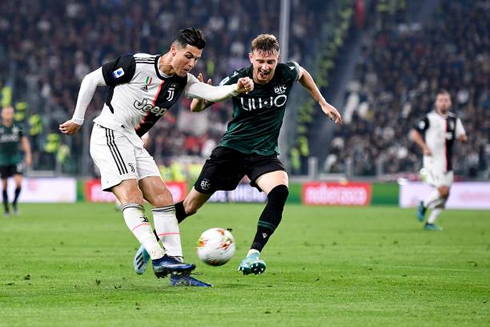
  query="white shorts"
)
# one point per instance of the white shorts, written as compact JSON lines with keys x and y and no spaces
{"x":118,"y":159}
{"x":438,"y":178}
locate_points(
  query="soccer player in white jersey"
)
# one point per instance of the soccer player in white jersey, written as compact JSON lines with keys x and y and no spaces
{"x":250,"y":144}
{"x":435,"y":135}
{"x":141,"y":88}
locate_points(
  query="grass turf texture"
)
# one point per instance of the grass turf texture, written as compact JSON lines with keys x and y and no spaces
{"x":71,"y":265}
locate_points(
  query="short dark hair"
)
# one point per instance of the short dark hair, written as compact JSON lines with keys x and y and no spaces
{"x":191,"y":36}
{"x":265,"y":42}
{"x":443,"y":92}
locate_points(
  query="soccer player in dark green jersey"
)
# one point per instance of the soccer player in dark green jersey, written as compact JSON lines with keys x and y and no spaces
{"x":12,"y":140}
{"x":250,"y":144}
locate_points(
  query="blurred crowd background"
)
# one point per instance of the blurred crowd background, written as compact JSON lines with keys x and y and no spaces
{"x":401,"y":53}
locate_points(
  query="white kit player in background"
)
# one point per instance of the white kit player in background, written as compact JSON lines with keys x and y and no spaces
{"x":435,"y":135}
{"x":141,"y":88}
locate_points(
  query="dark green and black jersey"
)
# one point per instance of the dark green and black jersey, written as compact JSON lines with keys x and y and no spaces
{"x":10,"y":145}
{"x":258,"y":115}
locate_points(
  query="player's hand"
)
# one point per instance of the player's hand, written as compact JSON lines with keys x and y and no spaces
{"x":427,"y":151}
{"x":69,"y":128}
{"x":200,"y":78}
{"x":332,"y":113}
{"x":245,"y":85}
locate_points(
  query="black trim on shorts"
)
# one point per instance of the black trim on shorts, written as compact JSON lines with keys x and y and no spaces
{"x":116,"y":155}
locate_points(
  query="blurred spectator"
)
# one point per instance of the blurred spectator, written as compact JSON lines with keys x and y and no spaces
{"x":54,"y":44}
{"x":401,"y":68}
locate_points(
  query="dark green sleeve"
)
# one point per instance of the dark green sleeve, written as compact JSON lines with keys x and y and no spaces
{"x":231,"y":79}
{"x":291,"y":71}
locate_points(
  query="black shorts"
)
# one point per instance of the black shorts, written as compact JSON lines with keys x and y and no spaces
{"x":11,"y":170}
{"x":226,"y":167}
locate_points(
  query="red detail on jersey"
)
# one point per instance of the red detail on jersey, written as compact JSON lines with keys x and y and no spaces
{"x":445,"y":143}
{"x":153,"y":103}
{"x":158,"y":92}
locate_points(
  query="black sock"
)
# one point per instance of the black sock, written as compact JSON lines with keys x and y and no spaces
{"x":180,"y":211}
{"x":5,"y":201}
{"x":270,"y":217}
{"x":16,"y":197}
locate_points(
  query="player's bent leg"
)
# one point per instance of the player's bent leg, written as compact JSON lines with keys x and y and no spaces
{"x":191,"y":204}
{"x":166,"y":227}
{"x":275,"y":185}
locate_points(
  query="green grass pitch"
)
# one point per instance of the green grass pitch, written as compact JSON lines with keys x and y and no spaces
{"x":71,"y":265}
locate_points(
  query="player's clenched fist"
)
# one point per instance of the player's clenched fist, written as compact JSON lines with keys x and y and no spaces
{"x":69,"y":127}
{"x":245,"y":85}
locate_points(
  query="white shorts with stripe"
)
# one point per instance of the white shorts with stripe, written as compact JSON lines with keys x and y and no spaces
{"x":438,"y":178}
{"x":118,"y":158}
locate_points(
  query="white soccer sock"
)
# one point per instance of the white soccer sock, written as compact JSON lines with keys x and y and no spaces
{"x":434,"y":214}
{"x":167,"y":228}
{"x":135,"y":218}
{"x":432,"y":198}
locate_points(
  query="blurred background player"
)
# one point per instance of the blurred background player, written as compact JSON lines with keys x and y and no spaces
{"x":12,"y":141}
{"x":435,"y":135}
{"x":142,"y":88}
{"x":250,"y":144}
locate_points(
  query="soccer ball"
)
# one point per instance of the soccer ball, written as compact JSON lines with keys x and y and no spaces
{"x":216,"y":246}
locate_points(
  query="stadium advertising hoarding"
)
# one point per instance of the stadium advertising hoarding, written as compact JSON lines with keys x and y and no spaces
{"x":243,"y":193}
{"x":94,"y":193}
{"x":46,"y":190}
{"x":464,"y":195}
{"x":333,"y":193}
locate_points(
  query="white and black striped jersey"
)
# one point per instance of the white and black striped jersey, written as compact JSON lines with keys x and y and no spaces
{"x":139,"y":94}
{"x":439,"y":133}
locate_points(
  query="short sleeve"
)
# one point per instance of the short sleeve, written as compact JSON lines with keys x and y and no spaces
{"x":422,"y":125}
{"x":293,"y":70}
{"x":231,"y":79}
{"x":119,"y":71}
{"x":459,"y":128}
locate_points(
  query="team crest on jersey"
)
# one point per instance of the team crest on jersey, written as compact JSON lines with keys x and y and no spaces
{"x":451,"y":125}
{"x":147,"y":83}
{"x":118,"y":73}
{"x":281,"y":89}
{"x":205,"y":184}
{"x":171,"y":92}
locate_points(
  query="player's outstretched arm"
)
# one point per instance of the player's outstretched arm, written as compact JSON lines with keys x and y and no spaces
{"x":198,"y":105}
{"x":199,"y":90}
{"x":308,"y":83}
{"x":85,"y":95}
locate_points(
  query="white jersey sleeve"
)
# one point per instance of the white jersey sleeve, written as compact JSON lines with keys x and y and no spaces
{"x":86,"y":93}
{"x":459,"y":128}
{"x":200,"y":90}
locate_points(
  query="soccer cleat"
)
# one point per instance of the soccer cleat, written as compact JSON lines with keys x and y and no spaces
{"x":252,"y":265}
{"x":421,"y":211}
{"x":167,"y":265}
{"x":432,"y":227}
{"x":140,"y":260}
{"x":186,"y":280}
